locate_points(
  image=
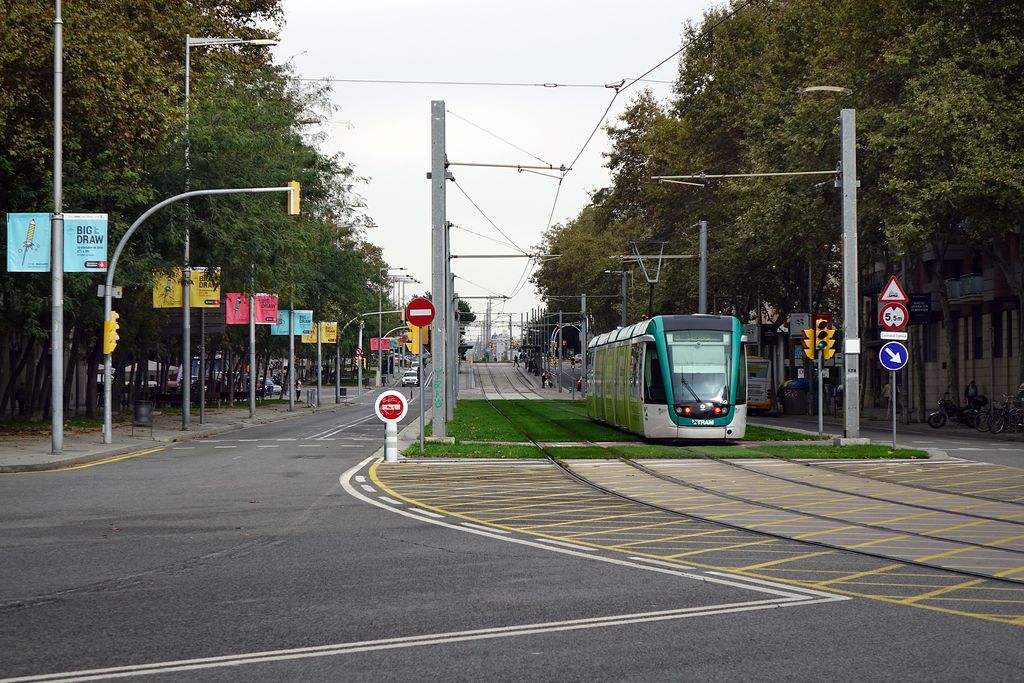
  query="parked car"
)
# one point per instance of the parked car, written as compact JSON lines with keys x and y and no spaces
{"x":271,"y":389}
{"x":411,"y":378}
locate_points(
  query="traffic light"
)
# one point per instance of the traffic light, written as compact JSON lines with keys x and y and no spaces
{"x":413,"y":341}
{"x":293,"y":198}
{"x":110,"y":335}
{"x":809,"y":344}
{"x":824,"y":336}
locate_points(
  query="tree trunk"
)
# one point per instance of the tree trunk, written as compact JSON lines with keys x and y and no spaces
{"x":91,"y":388}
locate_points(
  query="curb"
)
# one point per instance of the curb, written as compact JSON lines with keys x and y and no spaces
{"x":174,"y":438}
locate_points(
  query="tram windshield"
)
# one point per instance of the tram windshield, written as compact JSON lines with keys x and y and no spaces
{"x":701,"y":360}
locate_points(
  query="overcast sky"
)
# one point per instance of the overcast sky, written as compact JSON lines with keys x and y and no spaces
{"x":383,"y":129}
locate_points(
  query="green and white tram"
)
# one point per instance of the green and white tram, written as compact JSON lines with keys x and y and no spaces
{"x":671,"y":377}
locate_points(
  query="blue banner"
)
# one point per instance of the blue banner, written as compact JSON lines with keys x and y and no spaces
{"x":28,"y":243}
{"x":280,"y":328}
{"x":85,"y":243}
{"x":303,"y":322}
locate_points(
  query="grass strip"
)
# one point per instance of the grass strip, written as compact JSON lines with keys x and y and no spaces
{"x":759,"y":433}
{"x":24,"y":426}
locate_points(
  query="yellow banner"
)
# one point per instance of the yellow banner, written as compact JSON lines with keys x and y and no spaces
{"x":204,"y":290}
{"x":167,"y":289}
{"x":329,"y":333}
{"x":310,"y":338}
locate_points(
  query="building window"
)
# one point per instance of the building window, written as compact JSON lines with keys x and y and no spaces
{"x":979,"y":339}
{"x":997,"y":334}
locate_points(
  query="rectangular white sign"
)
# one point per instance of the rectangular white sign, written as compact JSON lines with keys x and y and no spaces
{"x":900,"y":336}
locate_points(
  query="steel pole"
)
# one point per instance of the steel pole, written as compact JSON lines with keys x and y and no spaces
{"x":821,"y":403}
{"x":558,"y":349}
{"x":185,"y":376}
{"x":57,"y":243}
{"x":291,"y":356}
{"x":625,"y":298}
{"x":319,"y":363}
{"x":702,"y":268}
{"x":252,"y":357}
{"x":337,"y":368}
{"x":584,"y":329}
{"x":438,"y":174}
{"x":851,"y":327}
{"x":359,"y":363}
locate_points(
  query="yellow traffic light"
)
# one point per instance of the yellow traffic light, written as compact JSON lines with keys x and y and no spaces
{"x":809,"y":343}
{"x":824,"y":337}
{"x":413,"y":345}
{"x":294,"y":198}
{"x":110,"y":335}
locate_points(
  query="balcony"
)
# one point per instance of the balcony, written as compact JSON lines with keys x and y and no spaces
{"x":965,"y":289}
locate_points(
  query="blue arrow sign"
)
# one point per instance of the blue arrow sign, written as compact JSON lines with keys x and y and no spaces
{"x":893,"y":355}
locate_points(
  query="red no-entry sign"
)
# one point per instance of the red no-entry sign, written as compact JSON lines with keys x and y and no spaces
{"x":419,"y":312}
{"x":391,"y":406}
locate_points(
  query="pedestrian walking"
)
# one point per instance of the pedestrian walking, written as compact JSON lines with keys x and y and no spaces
{"x":298,"y":389}
{"x":20,"y":397}
{"x":971,"y":393}
{"x":886,"y":395}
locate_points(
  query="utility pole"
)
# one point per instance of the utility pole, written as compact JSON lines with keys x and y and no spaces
{"x":558,"y":351}
{"x":583,"y":344}
{"x":439,"y":223}
{"x":57,"y":245}
{"x":702,"y":268}
{"x":851,"y":328}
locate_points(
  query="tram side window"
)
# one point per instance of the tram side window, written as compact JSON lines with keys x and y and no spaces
{"x":654,"y":386}
{"x":635,"y":356}
{"x":741,"y":388}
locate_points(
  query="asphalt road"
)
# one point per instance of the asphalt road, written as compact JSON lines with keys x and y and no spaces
{"x":244,"y":558}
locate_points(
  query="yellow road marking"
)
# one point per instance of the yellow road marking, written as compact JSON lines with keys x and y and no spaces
{"x":851,"y":577}
{"x":105,"y":461}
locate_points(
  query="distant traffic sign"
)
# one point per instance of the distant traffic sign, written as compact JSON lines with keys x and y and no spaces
{"x":893,"y":292}
{"x":893,"y":355}
{"x":419,"y":312}
{"x":893,"y":316}
{"x":899,"y":336}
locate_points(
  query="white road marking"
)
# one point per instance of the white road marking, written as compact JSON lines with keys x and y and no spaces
{"x":247,"y":440}
{"x":308,"y":445}
{"x":225,"y":446}
{"x":285,"y":439}
{"x":428,"y":513}
{"x":412,"y":641}
{"x":568,"y":545}
{"x":183,"y":448}
{"x":269,"y":446}
{"x":663,"y":563}
{"x":485,"y":528}
{"x":361,"y":479}
{"x":390,"y":500}
{"x":367,"y":487}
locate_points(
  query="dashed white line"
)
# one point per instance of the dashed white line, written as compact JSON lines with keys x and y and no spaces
{"x":360,"y":478}
{"x":568,"y":545}
{"x":274,"y":445}
{"x":183,"y":448}
{"x":428,"y":513}
{"x":390,"y":500}
{"x":485,"y":528}
{"x":367,"y":487}
{"x":225,"y":446}
{"x":662,"y":563}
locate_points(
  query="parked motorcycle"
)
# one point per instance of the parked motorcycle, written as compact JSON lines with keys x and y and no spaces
{"x":948,"y":410}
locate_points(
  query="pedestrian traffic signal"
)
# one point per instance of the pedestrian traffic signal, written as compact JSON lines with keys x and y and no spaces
{"x":824,"y":337}
{"x":294,"y":192}
{"x":110,"y":335}
{"x":809,"y":344}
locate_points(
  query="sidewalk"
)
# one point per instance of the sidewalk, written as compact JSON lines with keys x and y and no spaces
{"x":31,"y":452}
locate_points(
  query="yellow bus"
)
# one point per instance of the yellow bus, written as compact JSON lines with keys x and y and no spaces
{"x":760,"y":394}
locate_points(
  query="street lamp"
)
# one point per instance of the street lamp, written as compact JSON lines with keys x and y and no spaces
{"x":625,"y":292}
{"x":380,"y":318}
{"x":186,"y":325}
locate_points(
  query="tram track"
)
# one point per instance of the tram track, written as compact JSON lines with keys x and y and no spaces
{"x":958,"y":546}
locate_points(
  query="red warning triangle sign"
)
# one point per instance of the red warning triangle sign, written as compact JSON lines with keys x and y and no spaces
{"x":893,"y":292}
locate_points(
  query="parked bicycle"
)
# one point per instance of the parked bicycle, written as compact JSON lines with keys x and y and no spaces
{"x":1007,"y":418}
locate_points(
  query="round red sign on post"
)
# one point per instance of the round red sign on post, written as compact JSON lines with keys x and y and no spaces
{"x":419,"y":312}
{"x":391,"y":406}
{"x":893,"y":316}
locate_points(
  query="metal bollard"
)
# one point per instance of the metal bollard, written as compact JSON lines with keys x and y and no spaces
{"x":391,"y":442}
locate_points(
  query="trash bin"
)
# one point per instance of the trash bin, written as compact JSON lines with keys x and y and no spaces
{"x":142,"y":416}
{"x":794,"y":397}
{"x":344,"y":391}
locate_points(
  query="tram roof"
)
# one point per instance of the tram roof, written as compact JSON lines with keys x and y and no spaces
{"x":667,"y":322}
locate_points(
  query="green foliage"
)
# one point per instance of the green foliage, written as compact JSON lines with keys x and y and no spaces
{"x":937,"y":89}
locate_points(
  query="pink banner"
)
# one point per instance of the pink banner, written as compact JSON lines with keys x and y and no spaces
{"x":237,"y":311}
{"x":375,"y":344}
{"x":266,"y":309}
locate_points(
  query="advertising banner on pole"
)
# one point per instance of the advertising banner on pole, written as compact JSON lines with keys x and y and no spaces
{"x":280,"y":326}
{"x":329,"y":333}
{"x":85,"y":243}
{"x":28,"y":242}
{"x":167,"y":290}
{"x":204,"y":291}
{"x":311,"y":337}
{"x":237,"y":308}
{"x":266,"y":309}
{"x":303,"y":322}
